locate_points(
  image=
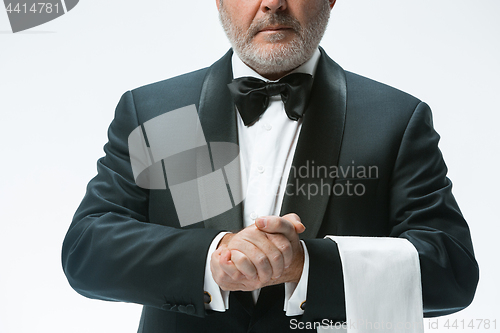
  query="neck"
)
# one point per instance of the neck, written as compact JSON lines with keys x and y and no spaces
{"x":275,"y":75}
{"x":272,"y":71}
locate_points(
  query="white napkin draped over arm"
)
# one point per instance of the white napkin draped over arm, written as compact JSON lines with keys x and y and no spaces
{"x":383,"y":290}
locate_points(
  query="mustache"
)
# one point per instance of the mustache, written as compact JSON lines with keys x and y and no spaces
{"x":279,"y":18}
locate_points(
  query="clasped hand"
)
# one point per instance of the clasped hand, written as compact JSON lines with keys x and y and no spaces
{"x":265,"y":253}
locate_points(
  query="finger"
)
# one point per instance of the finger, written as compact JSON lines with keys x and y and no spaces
{"x":277,"y":225}
{"x":218,"y":274}
{"x":269,"y":263}
{"x":244,"y":265}
{"x":228,"y":266}
{"x":215,"y":267}
{"x":224,"y":281}
{"x":295,"y":219}
{"x":274,"y":256}
{"x":285,"y":247}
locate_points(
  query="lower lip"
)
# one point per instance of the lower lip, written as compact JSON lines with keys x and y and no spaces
{"x":275,"y":30}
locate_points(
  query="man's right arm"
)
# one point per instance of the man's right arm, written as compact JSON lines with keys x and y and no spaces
{"x":112,"y":251}
{"x":216,"y":298}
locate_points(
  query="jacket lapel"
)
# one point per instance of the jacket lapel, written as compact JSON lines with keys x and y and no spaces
{"x":319,"y":141}
{"x":218,"y":120}
{"x":319,"y":144}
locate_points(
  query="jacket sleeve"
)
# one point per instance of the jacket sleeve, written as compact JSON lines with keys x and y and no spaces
{"x":111,"y":250}
{"x":422,"y":210}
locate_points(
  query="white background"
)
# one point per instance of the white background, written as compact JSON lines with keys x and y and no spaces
{"x":60,"y":83}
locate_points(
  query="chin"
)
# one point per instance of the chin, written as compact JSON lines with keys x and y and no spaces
{"x":274,"y":57}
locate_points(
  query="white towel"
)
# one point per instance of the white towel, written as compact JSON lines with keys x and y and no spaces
{"x":383,"y":291}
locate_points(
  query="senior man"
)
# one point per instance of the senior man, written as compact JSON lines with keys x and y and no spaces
{"x":374,"y":172}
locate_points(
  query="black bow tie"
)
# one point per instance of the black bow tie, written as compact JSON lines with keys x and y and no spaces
{"x":251,"y":95}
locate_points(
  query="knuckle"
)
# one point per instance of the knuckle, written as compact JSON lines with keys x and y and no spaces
{"x":236,"y":259}
{"x":285,"y":247}
{"x":239,"y":258}
{"x":261,"y":260}
{"x":278,"y":223}
{"x":276,"y":257}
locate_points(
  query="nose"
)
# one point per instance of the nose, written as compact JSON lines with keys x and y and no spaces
{"x":273,"y":5}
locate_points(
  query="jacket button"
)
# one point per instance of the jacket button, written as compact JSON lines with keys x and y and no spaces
{"x":303,"y":305}
{"x":166,"y":306}
{"x":190,"y":309}
{"x":182,"y":308}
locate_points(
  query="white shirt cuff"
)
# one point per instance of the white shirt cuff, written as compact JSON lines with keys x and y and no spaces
{"x":219,"y":298}
{"x":296,"y":293}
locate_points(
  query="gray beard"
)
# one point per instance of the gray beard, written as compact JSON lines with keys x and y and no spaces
{"x":285,"y":57}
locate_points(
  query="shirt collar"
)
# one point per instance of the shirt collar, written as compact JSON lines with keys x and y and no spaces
{"x":240,"y":69}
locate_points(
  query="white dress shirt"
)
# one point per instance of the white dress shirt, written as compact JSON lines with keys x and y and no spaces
{"x":390,"y":293}
{"x":267,"y":148}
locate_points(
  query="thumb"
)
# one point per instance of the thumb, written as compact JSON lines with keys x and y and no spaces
{"x":295,"y":219}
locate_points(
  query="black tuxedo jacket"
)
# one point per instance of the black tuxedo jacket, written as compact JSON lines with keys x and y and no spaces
{"x":125,"y":243}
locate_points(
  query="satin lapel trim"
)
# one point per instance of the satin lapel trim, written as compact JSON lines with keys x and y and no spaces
{"x":320,"y":141}
{"x":218,"y":120}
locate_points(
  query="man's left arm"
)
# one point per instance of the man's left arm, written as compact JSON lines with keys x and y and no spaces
{"x":423,"y":211}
